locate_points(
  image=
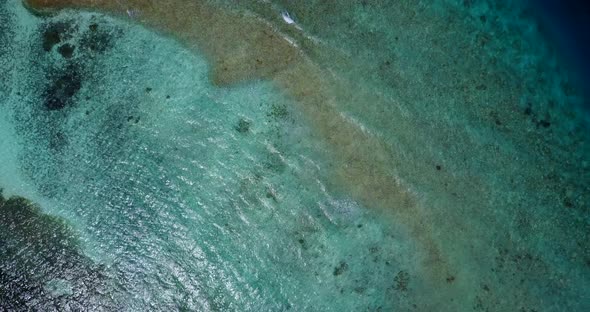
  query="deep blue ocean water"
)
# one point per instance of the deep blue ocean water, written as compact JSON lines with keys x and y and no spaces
{"x":566,"y":24}
{"x":438,"y":162}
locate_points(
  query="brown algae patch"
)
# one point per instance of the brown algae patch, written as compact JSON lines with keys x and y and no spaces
{"x":244,"y":48}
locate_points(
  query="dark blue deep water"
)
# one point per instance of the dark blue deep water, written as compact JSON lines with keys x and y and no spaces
{"x":567,"y":25}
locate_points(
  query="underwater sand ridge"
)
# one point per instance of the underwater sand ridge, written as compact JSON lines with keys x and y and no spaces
{"x":248,"y":50}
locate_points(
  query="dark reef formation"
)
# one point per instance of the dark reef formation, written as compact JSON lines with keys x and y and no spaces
{"x":41,"y":266}
{"x":78,"y":45}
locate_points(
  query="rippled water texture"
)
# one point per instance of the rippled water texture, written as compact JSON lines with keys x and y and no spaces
{"x":189,"y":155}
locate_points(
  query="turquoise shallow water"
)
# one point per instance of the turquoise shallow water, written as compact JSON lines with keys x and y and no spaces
{"x":177,"y":194}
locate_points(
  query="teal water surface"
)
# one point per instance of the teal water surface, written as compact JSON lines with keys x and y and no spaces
{"x":149,"y":188}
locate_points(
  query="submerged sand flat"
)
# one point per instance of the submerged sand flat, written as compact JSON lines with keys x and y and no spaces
{"x":447,"y":122}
